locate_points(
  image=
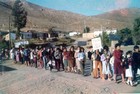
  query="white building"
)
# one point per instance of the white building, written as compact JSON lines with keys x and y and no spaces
{"x":97,"y":33}
{"x":73,"y":33}
{"x":108,"y":31}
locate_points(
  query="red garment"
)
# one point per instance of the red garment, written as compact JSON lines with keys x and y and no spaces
{"x":71,"y":55}
{"x":71,"y":59}
{"x":65,"y":55}
{"x":118,"y":69}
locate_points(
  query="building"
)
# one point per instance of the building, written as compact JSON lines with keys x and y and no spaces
{"x":34,"y":34}
{"x":9,"y":36}
{"x":73,"y":33}
{"x":26,"y":35}
{"x":88,"y":35}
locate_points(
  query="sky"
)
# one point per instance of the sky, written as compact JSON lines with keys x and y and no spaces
{"x":87,"y":7}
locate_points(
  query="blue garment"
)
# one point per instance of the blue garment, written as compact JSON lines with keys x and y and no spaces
{"x":81,"y":55}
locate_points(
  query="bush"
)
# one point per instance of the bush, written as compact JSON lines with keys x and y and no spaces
{"x":3,"y":45}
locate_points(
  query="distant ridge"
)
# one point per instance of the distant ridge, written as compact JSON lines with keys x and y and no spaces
{"x":41,"y":19}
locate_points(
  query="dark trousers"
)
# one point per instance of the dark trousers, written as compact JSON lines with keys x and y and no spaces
{"x":82,"y":66}
{"x":35,"y":62}
{"x":62,"y":64}
{"x":57,"y":64}
{"x":135,"y":72}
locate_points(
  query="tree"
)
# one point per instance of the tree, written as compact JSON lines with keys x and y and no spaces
{"x":52,"y":32}
{"x":136,"y":31}
{"x":3,"y":44}
{"x":20,"y":16}
{"x":125,"y":36}
{"x":105,"y":39}
{"x":86,"y":29}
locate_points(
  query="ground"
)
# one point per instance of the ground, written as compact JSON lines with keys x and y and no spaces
{"x":20,"y":79}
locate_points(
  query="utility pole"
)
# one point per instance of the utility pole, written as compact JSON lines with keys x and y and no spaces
{"x":9,"y":32}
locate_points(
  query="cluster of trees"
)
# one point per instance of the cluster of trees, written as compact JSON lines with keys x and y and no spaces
{"x":130,"y":37}
{"x":3,"y":44}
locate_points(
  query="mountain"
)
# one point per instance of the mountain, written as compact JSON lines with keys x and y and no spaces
{"x":41,"y":18}
{"x":123,"y":15}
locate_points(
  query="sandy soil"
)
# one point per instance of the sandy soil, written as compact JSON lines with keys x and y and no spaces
{"x":27,"y":80}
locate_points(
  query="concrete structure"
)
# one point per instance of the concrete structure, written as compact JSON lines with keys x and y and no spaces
{"x":97,"y":33}
{"x":73,"y":33}
{"x":26,"y":35}
{"x":88,"y":35}
{"x":10,"y":35}
{"x":113,"y":31}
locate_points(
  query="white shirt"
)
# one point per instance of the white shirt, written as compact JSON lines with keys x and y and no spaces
{"x":112,"y":61}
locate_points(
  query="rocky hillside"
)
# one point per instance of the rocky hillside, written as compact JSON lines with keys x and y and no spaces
{"x":43,"y":18}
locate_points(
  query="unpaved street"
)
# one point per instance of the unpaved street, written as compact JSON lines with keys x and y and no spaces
{"x":19,"y":79}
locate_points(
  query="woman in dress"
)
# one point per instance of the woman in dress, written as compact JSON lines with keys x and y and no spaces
{"x":18,"y":56}
{"x":71,"y":59}
{"x":118,"y":66}
{"x":82,"y":59}
{"x":77,"y":61}
{"x":105,"y":57}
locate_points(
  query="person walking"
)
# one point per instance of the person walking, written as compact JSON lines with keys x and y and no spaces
{"x":35,"y":58}
{"x":97,"y":73}
{"x":136,"y":64}
{"x":78,"y":69}
{"x":26,"y":53}
{"x":118,"y":65}
{"x":65,"y":59}
{"x":57,"y":55}
{"x":45,"y":55}
{"x":71,"y":59}
{"x":82,"y":59}
{"x":105,"y":57}
{"x":128,"y":66}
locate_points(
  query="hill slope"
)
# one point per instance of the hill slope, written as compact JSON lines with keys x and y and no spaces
{"x":122,"y":15}
{"x":44,"y":18}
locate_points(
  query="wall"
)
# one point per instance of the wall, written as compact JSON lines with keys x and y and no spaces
{"x":88,"y":35}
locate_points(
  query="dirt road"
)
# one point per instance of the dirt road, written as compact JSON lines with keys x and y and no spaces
{"x":19,"y":79}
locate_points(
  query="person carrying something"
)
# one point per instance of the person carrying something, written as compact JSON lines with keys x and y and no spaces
{"x":57,"y":55}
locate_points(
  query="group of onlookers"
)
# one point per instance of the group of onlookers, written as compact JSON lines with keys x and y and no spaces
{"x":106,"y":64}
{"x":110,"y":65}
{"x":60,"y":58}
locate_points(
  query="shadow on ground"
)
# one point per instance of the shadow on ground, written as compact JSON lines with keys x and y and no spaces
{"x":6,"y":69}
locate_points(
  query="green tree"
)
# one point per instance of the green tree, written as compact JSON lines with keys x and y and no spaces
{"x":86,"y":29}
{"x":125,"y":36}
{"x":3,"y":44}
{"x":52,"y":32}
{"x":136,"y":31}
{"x":20,"y":16}
{"x":105,"y":39}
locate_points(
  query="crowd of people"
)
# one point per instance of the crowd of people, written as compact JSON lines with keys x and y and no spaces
{"x":106,"y":65}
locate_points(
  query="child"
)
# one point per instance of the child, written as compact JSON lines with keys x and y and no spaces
{"x":105,"y":57}
{"x":112,"y":66}
{"x":128,"y":66}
